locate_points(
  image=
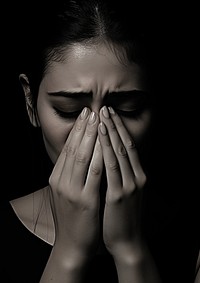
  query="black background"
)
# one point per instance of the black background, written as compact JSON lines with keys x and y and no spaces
{"x":173,"y":203}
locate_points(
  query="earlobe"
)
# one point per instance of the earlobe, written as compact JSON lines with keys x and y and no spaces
{"x":32,"y":112}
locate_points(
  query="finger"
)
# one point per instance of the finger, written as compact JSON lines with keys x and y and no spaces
{"x":95,"y":170}
{"x":73,"y":141}
{"x":128,"y":143}
{"x":118,"y":147}
{"x":85,"y":150}
{"x":111,"y":163}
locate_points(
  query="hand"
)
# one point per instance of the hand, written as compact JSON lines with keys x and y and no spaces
{"x":125,"y":176}
{"x":74,"y":185}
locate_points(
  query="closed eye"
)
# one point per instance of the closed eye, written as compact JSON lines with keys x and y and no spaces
{"x":67,"y":114}
{"x":129,"y":113}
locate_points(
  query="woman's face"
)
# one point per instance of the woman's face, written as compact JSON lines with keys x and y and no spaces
{"x":93,"y":77}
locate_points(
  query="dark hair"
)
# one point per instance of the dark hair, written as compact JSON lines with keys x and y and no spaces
{"x":60,"y":24}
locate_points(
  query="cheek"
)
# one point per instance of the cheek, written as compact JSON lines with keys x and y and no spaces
{"x":55,"y":133}
{"x":139,"y":127}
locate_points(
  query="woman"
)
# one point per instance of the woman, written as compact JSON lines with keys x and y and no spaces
{"x":87,"y":89}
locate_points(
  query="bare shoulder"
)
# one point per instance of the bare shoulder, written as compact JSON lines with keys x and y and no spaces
{"x":24,"y":206}
{"x":34,"y":211}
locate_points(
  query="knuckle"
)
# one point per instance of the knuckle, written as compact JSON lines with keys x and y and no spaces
{"x":78,"y":126}
{"x":141,"y":181}
{"x":60,"y":191}
{"x":72,"y":197}
{"x":79,"y":201}
{"x":130,"y":144}
{"x":114,"y":196}
{"x":70,"y":150}
{"x":95,"y":170}
{"x":81,"y":158}
{"x":114,"y":166}
{"x":107,"y":143}
{"x":122,"y":151}
{"x":89,"y":132}
{"x":112,"y":126}
{"x":130,"y":188}
{"x":52,"y":181}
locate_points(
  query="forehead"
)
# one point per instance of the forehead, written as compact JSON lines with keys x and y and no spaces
{"x":93,"y":68}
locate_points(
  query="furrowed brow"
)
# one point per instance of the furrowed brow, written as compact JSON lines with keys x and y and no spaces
{"x":70,"y":94}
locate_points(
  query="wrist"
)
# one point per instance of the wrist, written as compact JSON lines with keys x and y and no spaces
{"x":71,"y":260}
{"x":134,"y":263}
{"x":64,"y":265}
{"x":130,"y":253}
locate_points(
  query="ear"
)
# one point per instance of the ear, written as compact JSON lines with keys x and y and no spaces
{"x":32,"y":111}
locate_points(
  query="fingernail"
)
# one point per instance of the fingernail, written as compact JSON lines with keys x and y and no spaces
{"x":92,"y":118}
{"x":84,"y":113}
{"x":111,"y":110}
{"x":102,"y":128}
{"x":105,"y":112}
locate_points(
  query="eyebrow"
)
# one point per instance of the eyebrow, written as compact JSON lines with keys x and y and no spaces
{"x":81,"y":94}
{"x":70,"y":94}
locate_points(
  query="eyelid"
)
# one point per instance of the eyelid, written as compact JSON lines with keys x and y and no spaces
{"x":67,"y":114}
{"x":127,"y":113}
{"x":133,"y":113}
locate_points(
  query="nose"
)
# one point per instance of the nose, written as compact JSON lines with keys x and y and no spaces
{"x":96,"y":105}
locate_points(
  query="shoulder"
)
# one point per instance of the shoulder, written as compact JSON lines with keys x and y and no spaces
{"x":27,"y":205}
{"x":23,"y":207}
{"x":34,"y":211}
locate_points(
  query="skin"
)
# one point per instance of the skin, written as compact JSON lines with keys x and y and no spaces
{"x":89,"y":69}
{"x":79,"y":147}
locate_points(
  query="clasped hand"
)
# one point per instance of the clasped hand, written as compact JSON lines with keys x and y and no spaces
{"x":96,"y":141}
